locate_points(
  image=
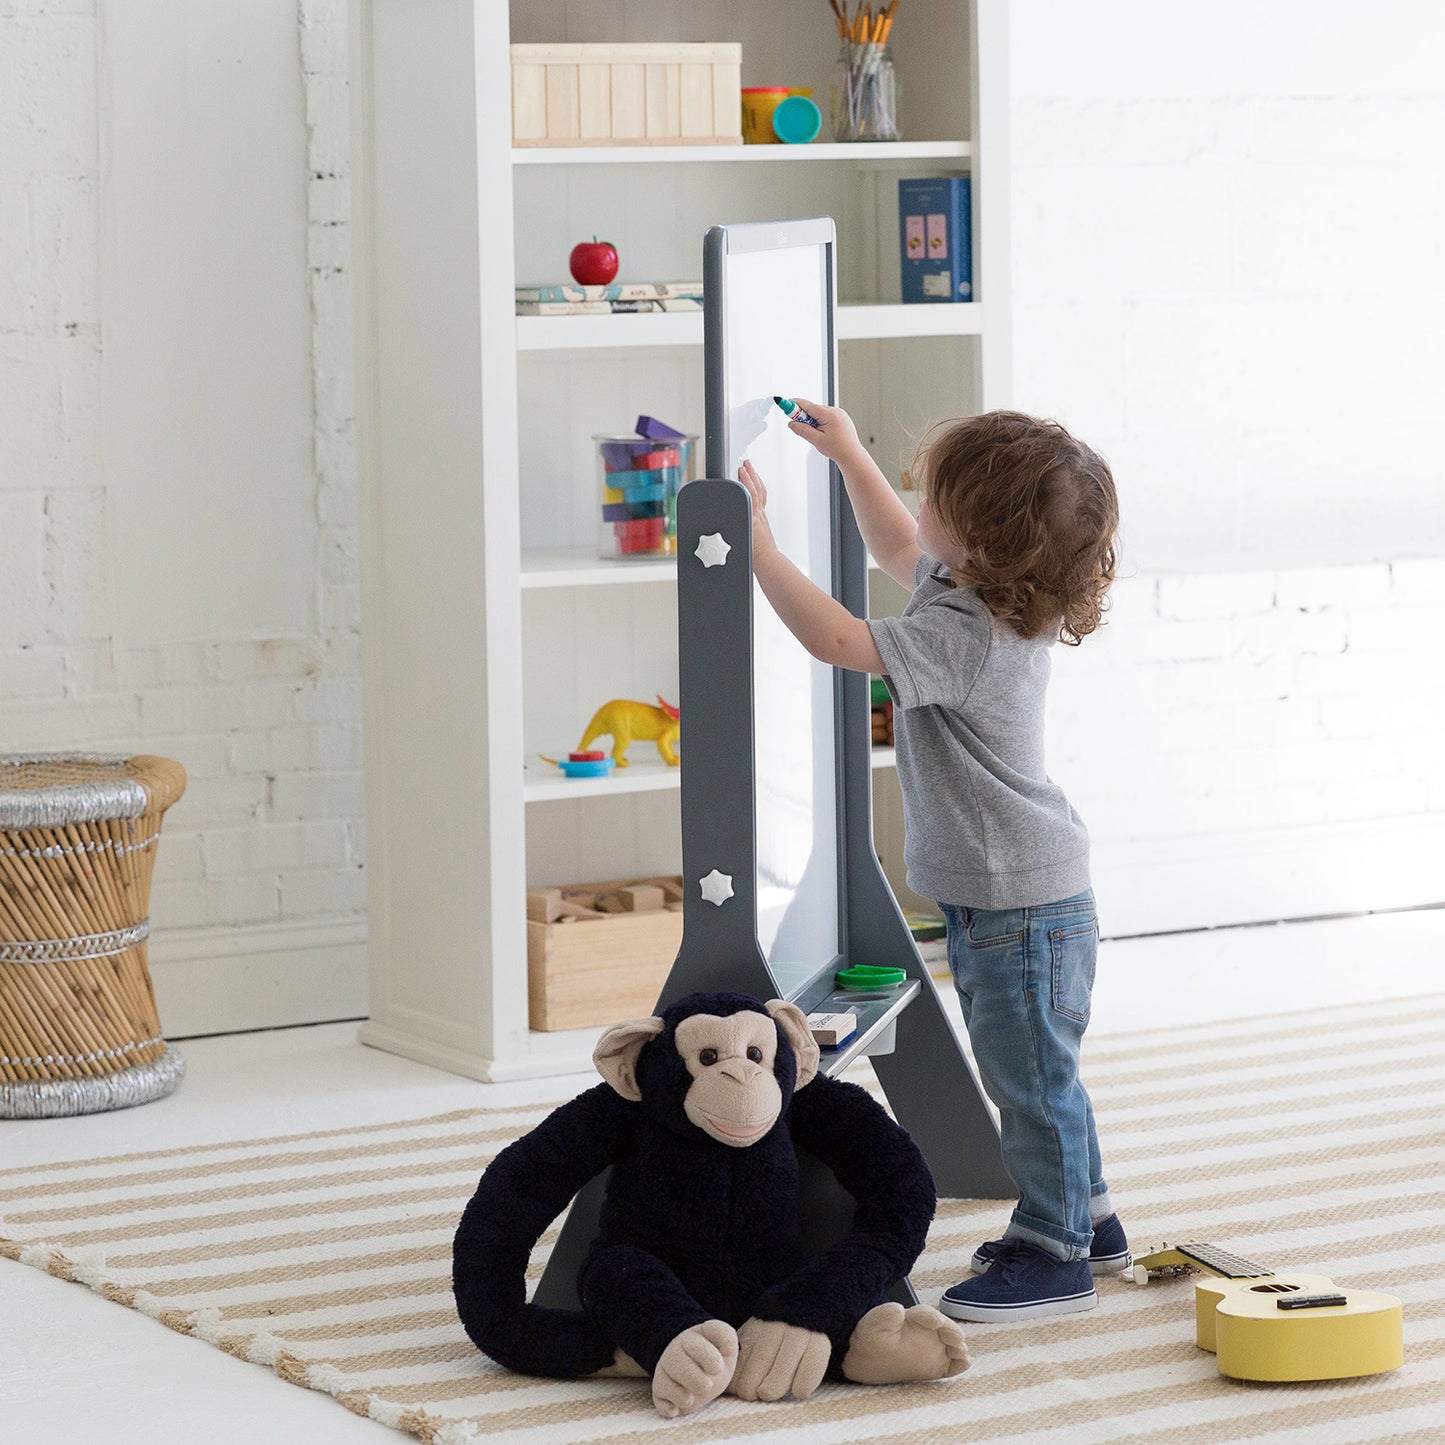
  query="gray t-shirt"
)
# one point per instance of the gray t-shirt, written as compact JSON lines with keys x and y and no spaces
{"x":984,"y":826}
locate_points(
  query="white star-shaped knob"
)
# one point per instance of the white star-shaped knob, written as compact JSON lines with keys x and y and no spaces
{"x":716,"y":887}
{"x":712,"y":550}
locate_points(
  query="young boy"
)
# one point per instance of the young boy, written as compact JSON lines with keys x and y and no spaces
{"x":1013,"y":549}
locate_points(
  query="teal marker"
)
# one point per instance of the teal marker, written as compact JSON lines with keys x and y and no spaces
{"x":794,"y":412}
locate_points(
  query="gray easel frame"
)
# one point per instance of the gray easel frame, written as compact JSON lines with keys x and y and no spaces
{"x":929,"y":1083}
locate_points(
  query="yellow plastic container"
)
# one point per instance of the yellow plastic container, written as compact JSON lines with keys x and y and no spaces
{"x":759,"y":103}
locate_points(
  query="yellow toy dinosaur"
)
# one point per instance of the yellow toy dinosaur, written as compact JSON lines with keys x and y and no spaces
{"x":627,"y":722}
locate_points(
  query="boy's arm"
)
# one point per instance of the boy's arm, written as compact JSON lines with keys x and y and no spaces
{"x":820,"y":622}
{"x":889,"y":529}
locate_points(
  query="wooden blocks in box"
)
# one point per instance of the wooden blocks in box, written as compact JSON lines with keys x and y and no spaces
{"x":598,"y":953}
{"x":641,"y":94}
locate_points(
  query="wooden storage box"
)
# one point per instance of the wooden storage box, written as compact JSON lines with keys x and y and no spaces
{"x":644,"y":94}
{"x":598,"y":953}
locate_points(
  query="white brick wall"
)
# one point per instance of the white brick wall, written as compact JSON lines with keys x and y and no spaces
{"x":1229,"y":276}
{"x":1231,"y":710}
{"x":1316,"y":703}
{"x":266,"y":845}
{"x":1229,"y":270}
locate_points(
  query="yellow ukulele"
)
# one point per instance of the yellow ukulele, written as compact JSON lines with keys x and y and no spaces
{"x":1265,"y":1326}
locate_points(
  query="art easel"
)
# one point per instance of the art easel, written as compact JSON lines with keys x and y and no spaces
{"x":929,"y":1084}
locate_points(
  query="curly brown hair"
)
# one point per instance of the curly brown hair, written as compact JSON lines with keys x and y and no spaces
{"x":1036,"y":513}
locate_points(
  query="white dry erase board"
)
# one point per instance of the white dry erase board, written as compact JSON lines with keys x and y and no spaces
{"x":771,"y":292}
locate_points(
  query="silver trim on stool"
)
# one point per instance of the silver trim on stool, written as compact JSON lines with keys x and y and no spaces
{"x":99,"y":800}
{"x":59,"y":1098}
{"x":87,"y":945}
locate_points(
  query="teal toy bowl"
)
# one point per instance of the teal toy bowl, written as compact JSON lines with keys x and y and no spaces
{"x":797,"y":120}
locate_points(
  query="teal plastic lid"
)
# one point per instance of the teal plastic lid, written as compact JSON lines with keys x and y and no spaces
{"x":797,"y":120}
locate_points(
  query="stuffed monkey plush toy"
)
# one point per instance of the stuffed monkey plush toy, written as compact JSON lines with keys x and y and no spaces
{"x":697,"y":1278}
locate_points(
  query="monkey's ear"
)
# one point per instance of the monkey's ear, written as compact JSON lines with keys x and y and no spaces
{"x":794,"y":1024}
{"x":617,"y":1050}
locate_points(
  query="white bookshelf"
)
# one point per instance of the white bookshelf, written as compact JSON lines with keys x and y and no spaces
{"x":543,"y":785}
{"x":881,"y":153}
{"x":643,"y":774}
{"x":582,"y":567}
{"x":491,"y":629}
{"x":868,"y":321}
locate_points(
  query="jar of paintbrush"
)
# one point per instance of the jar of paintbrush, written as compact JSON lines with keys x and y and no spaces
{"x":864,"y":93}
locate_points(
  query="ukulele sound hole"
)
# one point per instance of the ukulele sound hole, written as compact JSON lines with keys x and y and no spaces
{"x":1273,"y":1288}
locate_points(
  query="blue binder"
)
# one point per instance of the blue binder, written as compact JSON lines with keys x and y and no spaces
{"x":935,"y":239}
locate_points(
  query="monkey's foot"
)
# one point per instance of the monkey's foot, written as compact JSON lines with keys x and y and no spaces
{"x":890,"y":1344}
{"x":623,"y":1366}
{"x":775,"y":1359}
{"x":696,"y":1367}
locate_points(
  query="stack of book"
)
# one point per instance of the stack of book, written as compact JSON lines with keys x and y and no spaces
{"x":574,"y":300}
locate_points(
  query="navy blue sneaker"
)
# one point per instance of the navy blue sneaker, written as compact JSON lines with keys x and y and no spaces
{"x":1108,"y":1254}
{"x":1022,"y":1281}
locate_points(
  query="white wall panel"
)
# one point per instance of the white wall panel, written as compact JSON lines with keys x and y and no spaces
{"x":206,"y":392}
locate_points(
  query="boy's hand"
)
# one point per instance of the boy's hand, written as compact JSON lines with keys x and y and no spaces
{"x":835,"y":435}
{"x":762,"y":528}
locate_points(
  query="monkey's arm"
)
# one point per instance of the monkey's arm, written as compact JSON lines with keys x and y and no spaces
{"x":882,"y":1168}
{"x":521,"y":1192}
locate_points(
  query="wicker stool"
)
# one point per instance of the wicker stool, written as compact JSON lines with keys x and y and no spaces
{"x":79,"y":1031}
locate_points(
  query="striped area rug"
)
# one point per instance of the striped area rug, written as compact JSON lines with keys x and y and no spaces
{"x":1314,"y":1142}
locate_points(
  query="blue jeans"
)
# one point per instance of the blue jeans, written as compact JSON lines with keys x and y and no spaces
{"x":1024,"y":977}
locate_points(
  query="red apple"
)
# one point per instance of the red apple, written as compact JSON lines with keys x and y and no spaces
{"x":593,"y":263}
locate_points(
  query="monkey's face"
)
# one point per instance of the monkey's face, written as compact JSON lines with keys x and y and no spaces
{"x":734,"y":1096}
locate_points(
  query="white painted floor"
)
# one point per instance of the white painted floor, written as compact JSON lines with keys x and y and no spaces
{"x":75,"y":1368}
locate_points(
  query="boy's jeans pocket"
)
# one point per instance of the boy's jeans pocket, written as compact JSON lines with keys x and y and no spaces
{"x":1073,"y":952}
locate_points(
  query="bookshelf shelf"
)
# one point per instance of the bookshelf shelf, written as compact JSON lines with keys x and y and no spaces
{"x":577,"y":333}
{"x":857,"y":322}
{"x":545,"y":784}
{"x":879,"y":153}
{"x":582,"y":567}
{"x":878,"y":320}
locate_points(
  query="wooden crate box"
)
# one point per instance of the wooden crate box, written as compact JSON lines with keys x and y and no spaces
{"x":642,"y":94}
{"x":598,"y":953}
